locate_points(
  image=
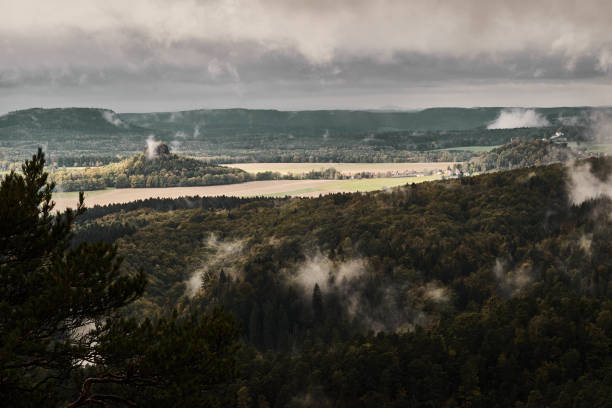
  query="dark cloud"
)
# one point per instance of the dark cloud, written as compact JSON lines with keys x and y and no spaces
{"x":274,"y":53}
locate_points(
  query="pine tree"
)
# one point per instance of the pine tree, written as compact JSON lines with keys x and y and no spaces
{"x":51,"y":294}
{"x":317,"y":304}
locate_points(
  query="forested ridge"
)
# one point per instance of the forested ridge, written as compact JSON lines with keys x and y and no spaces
{"x":140,"y":171}
{"x":86,"y":135}
{"x":481,"y":291}
{"x":526,"y":153}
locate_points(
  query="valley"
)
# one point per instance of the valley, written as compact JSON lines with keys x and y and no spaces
{"x":358,"y":268}
{"x":271,"y":188}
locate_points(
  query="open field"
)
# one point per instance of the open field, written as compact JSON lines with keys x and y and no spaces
{"x":470,"y":148}
{"x":344,"y":168}
{"x":273,"y":188}
{"x":592,"y":147}
{"x":74,"y":195}
{"x":352,"y":186}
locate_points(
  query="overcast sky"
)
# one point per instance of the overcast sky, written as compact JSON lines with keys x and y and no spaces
{"x":155,"y":55}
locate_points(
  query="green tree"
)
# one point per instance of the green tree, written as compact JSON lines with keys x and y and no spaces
{"x":50,"y":293}
{"x":60,"y":321}
{"x":176,"y":361}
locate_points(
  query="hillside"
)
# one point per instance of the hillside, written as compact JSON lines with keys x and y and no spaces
{"x":476,"y":284}
{"x":72,"y":132}
{"x":463,"y":226}
{"x":314,"y":123}
{"x":158,"y":168}
{"x":231,"y":135}
{"x":90,"y":120}
{"x":525,"y":153}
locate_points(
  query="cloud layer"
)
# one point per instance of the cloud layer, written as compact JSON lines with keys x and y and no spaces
{"x":363,"y":52}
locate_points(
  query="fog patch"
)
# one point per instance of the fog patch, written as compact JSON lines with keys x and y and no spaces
{"x":112,"y":118}
{"x":518,"y":118}
{"x":369,"y":138}
{"x":175,"y":145}
{"x":436,"y":292}
{"x":174,"y":116}
{"x":570,"y":120}
{"x":512,"y":281}
{"x":152,"y":146}
{"x":585,"y":242}
{"x":600,"y":124}
{"x":218,"y":256}
{"x":322,"y":271}
{"x":583,"y":185}
{"x":374,"y":302}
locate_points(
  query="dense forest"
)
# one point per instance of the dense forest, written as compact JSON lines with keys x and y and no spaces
{"x":144,"y":170}
{"x":481,"y":291}
{"x":521,"y":153}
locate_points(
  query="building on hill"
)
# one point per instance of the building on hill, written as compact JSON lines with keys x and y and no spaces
{"x":156,"y":149}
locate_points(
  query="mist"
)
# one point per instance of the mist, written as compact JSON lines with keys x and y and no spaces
{"x":512,"y":280}
{"x":518,"y":118}
{"x":391,"y":307}
{"x":583,"y":185}
{"x":217,"y":255}
{"x":600,"y":125}
{"x":112,"y":118}
{"x":152,"y":145}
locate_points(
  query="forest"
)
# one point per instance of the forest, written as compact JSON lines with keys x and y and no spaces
{"x":491,"y":290}
{"x":520,"y":153}
{"x":480,"y":291}
{"x":163,"y":170}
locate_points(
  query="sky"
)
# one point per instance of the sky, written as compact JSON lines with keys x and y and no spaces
{"x":167,"y":55}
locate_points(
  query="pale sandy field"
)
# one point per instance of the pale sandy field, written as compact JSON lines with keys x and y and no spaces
{"x":270,"y":188}
{"x":344,"y":168}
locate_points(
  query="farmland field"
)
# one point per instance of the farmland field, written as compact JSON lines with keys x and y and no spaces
{"x":592,"y":147}
{"x":470,"y":148}
{"x":271,"y":188}
{"x":344,"y":168}
{"x":75,"y":194}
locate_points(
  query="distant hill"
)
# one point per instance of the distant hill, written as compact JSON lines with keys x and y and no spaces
{"x":227,"y":135}
{"x":314,"y":122}
{"x":85,"y":120}
{"x":69,"y":132}
{"x":339,"y":121}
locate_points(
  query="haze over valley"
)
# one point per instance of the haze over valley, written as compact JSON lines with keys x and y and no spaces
{"x":305,"y":204}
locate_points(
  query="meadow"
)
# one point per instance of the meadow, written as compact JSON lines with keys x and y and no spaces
{"x":468,"y":148}
{"x":344,"y":168}
{"x":589,"y":147}
{"x":267,"y":188}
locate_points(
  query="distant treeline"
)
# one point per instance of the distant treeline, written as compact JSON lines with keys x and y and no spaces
{"x":172,"y":204}
{"x":357,"y":154}
{"x":83,"y":161}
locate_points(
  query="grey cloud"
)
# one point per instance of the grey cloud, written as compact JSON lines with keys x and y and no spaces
{"x":252,"y":51}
